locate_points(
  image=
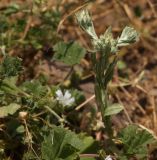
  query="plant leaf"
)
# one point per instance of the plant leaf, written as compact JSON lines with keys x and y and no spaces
{"x":69,"y":53}
{"x":8,"y":85}
{"x":109,"y":72}
{"x":8,"y":110}
{"x":60,"y":144}
{"x":10,"y":66}
{"x":113,"y":109}
{"x":35,"y":88}
{"x":90,"y":146}
{"x":135,"y":140}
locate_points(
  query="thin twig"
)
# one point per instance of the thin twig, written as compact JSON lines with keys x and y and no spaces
{"x":84,"y":103}
{"x":60,"y":119}
{"x":130,"y":14}
{"x":136,"y":103}
{"x":26,"y":30}
{"x":141,"y":88}
{"x":28,"y":134}
{"x":68,"y":15}
{"x":69,"y":73}
{"x":154,"y":113}
{"x":152,"y":7}
{"x":38,"y":114}
{"x":89,"y":155}
{"x":125,"y":111}
{"x":140,"y":108}
{"x":82,"y":38}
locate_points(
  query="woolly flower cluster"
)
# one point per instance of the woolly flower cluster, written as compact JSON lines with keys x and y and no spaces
{"x":105,"y":41}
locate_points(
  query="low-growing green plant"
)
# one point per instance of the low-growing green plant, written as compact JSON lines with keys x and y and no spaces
{"x":30,"y":113}
{"x":29,"y":24}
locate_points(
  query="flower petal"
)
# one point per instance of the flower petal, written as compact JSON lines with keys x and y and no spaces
{"x":65,"y":99}
{"x":67,"y":94}
{"x":59,"y":93}
{"x":71,"y":100}
{"x":108,"y":158}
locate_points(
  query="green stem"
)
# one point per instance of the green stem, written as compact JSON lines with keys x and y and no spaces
{"x":101,"y":99}
{"x":101,"y":92}
{"x":60,"y":119}
{"x":106,"y":119}
{"x":108,"y":125}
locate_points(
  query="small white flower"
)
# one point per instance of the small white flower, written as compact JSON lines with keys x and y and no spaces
{"x":64,"y":99}
{"x":108,"y":158}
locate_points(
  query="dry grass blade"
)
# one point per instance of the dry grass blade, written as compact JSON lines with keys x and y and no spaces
{"x":70,"y":14}
{"x":152,"y":7}
{"x":84,"y":103}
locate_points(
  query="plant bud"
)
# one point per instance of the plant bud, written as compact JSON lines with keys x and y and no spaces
{"x":23,"y":115}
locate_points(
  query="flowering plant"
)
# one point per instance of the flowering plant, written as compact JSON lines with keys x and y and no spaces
{"x":106,"y":47}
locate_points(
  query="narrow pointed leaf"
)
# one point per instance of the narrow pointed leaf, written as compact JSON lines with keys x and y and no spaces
{"x":113,"y":109}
